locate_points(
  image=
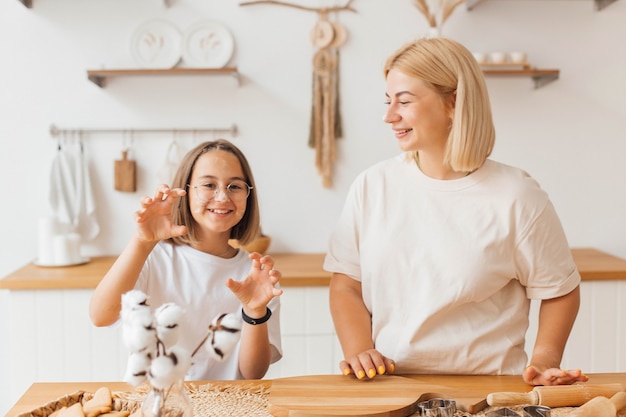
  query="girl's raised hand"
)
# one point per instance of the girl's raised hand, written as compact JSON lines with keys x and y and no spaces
{"x":258,"y":288}
{"x":154,"y":218}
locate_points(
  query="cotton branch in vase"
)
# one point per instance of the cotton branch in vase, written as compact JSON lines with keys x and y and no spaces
{"x":436,"y":12}
{"x":152,"y":341}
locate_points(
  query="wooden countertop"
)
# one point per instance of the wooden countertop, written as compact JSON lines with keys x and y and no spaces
{"x":41,"y":393}
{"x":298,"y":270}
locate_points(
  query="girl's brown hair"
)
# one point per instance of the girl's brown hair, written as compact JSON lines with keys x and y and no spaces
{"x":250,"y":225}
{"x":451,"y":70}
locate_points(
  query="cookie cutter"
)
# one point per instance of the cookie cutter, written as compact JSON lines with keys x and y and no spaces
{"x":437,"y":407}
{"x":537,"y":411}
{"x":502,"y":412}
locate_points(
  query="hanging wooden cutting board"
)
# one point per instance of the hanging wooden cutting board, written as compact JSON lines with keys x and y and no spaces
{"x":337,"y":395}
{"x":125,"y":174}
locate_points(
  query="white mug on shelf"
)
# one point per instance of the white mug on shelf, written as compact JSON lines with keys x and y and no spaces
{"x":480,"y":57}
{"x":497,"y":57}
{"x":66,"y":248}
{"x":517,"y":57}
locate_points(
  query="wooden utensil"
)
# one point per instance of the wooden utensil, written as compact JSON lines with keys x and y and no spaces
{"x":601,"y":406}
{"x":125,"y":174}
{"x":554,"y":396}
{"x":338,"y":395}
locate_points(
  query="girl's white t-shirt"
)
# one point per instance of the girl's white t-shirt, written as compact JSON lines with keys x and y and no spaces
{"x":196,"y":281}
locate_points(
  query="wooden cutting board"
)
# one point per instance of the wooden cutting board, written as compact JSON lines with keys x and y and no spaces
{"x":338,"y":395}
{"x":125,"y":174}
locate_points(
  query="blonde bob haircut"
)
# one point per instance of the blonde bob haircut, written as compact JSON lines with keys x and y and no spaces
{"x":248,"y":227}
{"x":451,"y":70}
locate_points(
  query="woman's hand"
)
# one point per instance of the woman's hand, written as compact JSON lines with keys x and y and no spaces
{"x":258,"y":288}
{"x":154,"y":219}
{"x":369,"y":363}
{"x":535,"y":375}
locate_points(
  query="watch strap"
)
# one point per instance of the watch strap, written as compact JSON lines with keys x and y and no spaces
{"x":254,"y":321}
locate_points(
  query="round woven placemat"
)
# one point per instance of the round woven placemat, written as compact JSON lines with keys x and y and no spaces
{"x":218,"y":400}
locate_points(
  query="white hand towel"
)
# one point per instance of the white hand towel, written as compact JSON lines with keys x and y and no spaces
{"x":71,"y":196}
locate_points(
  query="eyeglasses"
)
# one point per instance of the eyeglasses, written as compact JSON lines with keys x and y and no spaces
{"x":236,"y":190}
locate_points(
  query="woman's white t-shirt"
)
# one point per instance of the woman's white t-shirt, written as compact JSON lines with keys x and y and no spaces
{"x":447,"y":268}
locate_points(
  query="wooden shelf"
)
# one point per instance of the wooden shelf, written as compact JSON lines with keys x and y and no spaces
{"x":540,"y":77}
{"x":599,"y":4}
{"x":29,"y":3}
{"x":100,"y":77}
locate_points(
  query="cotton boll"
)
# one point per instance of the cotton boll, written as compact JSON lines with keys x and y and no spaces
{"x":182,"y":363}
{"x":169,"y":368}
{"x":230,"y":321}
{"x":139,"y":340}
{"x":168,"y":318}
{"x":161,"y":372}
{"x":134,"y":300}
{"x":139,"y":317}
{"x":138,"y":331}
{"x":137,"y":368}
{"x":225,"y":332}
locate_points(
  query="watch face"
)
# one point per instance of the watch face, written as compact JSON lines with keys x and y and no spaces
{"x":207,"y":44}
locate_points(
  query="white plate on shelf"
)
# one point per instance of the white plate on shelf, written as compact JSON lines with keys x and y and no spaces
{"x":80,"y":261}
{"x":155,"y":44}
{"x":207,"y":44}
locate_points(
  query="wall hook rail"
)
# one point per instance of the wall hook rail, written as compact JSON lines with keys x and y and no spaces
{"x":56,"y":131}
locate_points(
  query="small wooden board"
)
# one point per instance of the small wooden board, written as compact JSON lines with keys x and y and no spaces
{"x":338,"y":395}
{"x":125,"y":174}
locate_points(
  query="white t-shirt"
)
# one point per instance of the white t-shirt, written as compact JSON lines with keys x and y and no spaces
{"x":447,"y":267}
{"x":196,"y":281}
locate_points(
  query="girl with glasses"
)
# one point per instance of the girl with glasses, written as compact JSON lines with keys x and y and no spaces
{"x":180,"y":253}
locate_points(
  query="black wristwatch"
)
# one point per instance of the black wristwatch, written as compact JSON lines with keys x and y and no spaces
{"x":254,"y":322}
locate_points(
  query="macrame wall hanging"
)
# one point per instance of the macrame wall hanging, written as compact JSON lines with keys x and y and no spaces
{"x":325,"y":128}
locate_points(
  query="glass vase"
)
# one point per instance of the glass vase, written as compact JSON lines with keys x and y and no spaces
{"x":169,"y":402}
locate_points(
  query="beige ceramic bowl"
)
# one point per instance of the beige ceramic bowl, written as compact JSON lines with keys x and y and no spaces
{"x":260,"y":244}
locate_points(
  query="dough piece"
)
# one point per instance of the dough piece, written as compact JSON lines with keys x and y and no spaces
{"x":75,"y":410}
{"x":114,"y":413}
{"x":101,"y":403}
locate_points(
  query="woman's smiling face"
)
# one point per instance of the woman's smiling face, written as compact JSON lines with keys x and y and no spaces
{"x":221,"y":213}
{"x":415,"y":112}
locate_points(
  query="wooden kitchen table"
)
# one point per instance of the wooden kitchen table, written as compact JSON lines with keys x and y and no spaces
{"x":298,"y":270}
{"x":41,"y":393}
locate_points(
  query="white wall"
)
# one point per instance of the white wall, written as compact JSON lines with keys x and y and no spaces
{"x":569,"y":135}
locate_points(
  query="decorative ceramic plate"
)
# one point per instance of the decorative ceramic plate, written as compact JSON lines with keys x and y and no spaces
{"x":207,"y":44}
{"x":156,"y":44}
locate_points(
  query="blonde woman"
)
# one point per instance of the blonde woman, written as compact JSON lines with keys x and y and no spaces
{"x":439,"y":250}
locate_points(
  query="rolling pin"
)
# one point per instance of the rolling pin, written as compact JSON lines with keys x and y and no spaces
{"x":601,"y":406}
{"x":554,"y":396}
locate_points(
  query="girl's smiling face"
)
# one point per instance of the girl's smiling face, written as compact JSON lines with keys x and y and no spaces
{"x":416,"y":113}
{"x":221,"y":213}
